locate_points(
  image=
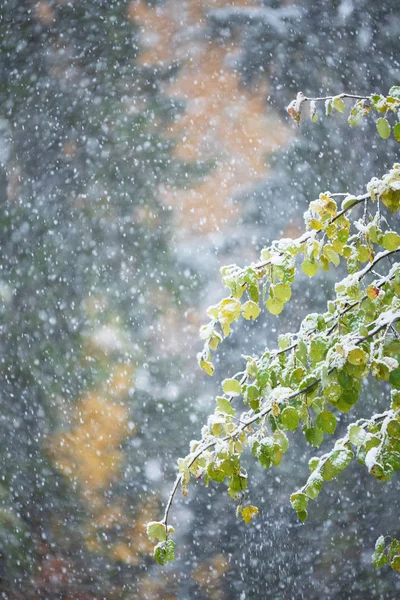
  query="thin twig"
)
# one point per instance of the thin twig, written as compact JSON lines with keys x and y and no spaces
{"x":343,"y":95}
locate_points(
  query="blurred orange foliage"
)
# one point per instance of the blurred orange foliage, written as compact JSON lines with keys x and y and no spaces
{"x":90,"y":456}
{"x":223,"y":122}
{"x":89,"y":453}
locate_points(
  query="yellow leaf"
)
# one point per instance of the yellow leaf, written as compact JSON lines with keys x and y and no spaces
{"x":248,"y":513}
{"x":251,"y":310}
{"x":207,"y":366}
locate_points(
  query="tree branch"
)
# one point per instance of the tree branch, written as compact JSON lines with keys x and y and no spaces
{"x":343,"y":95}
{"x":308,"y":234}
{"x":265,"y":412}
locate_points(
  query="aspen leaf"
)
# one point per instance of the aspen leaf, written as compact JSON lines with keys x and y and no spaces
{"x":156,"y":531}
{"x":314,"y":436}
{"x":357,"y":435}
{"x":391,"y":241}
{"x":309,"y":267}
{"x":378,"y":557}
{"x":302,"y":514}
{"x":331,"y":255}
{"x":372,"y":292}
{"x":396,"y":132}
{"x":207,"y":366}
{"x":326,"y":421}
{"x":314,"y":485}
{"x":357,"y":356}
{"x":299,"y":501}
{"x":225,"y":406}
{"x":250,"y":310}
{"x":328,"y":107}
{"x":383,"y":128}
{"x":338,"y":104}
{"x":348,"y":202}
{"x":282,"y":292}
{"x":248,"y":513}
{"x":232,"y":387}
{"x":274,"y":306}
{"x":290,"y":418}
{"x":395,"y":562}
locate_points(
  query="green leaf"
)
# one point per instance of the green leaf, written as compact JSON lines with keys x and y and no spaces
{"x":232,"y":387}
{"x":277,"y":454}
{"x":338,"y":104}
{"x":313,"y":463}
{"x":302,"y":514}
{"x":229,"y":466}
{"x":326,"y":421}
{"x":165,"y":552}
{"x":357,"y":435}
{"x":357,"y":356}
{"x":328,"y":107}
{"x":314,"y":436}
{"x":394,"y":378}
{"x":393,"y":429}
{"x":309,"y":267}
{"x":284,"y":341}
{"x":299,"y":501}
{"x":396,"y":132}
{"x":341,"y":459}
{"x":290,"y":418}
{"x":383,"y":128}
{"x":314,"y":485}
{"x":331,"y":255}
{"x":318,"y":348}
{"x":391,"y":241}
{"x":237,"y":484}
{"x":395,"y":398}
{"x":395,"y":562}
{"x":156,"y":531}
{"x":252,"y":392}
{"x":215,"y":473}
{"x":391,"y":199}
{"x":348,"y":202}
{"x":250,"y":310}
{"x":274,"y":306}
{"x":394,"y":549}
{"x":378,"y":557}
{"x":282,"y":292}
{"x":225,"y":406}
{"x":281,"y":438}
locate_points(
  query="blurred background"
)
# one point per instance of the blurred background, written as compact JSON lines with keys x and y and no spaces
{"x":143,"y":144}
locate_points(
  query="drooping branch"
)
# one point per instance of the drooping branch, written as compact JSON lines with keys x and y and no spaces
{"x":309,"y":234}
{"x":380,"y":323}
{"x":331,"y":356}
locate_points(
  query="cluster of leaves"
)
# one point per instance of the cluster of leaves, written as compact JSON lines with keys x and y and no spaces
{"x":381,"y":104}
{"x":316,"y":372}
{"x":374,"y":442}
{"x":386,"y":553}
{"x":329,"y":237}
{"x":164,"y":551}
